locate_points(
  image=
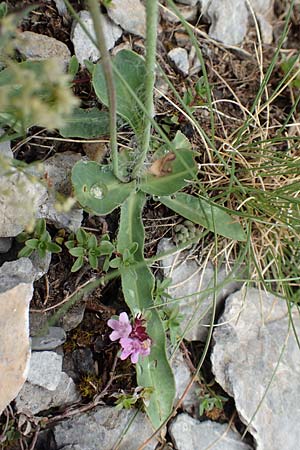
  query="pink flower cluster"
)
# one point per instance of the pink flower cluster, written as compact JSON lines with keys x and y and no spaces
{"x":133,"y":338}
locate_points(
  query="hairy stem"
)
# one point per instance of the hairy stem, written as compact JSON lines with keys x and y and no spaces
{"x":151,"y":38}
{"x":94,"y":9}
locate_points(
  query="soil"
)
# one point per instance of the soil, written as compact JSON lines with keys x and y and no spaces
{"x":228,"y":70}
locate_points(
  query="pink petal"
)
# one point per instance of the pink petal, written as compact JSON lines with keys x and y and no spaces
{"x":113,"y":323}
{"x":124,"y":317}
{"x":114,"y":336}
{"x":134,"y":357}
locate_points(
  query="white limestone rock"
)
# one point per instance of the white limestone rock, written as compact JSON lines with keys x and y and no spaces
{"x":104,"y":425}
{"x":190,"y":434}
{"x":130,"y":15}
{"x":84,"y":48}
{"x":256,"y":360}
{"x":189,"y":282}
{"x":14,"y":340}
{"x":180,"y":58}
{"x":36,"y":47}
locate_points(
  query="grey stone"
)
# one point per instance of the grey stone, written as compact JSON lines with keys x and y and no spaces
{"x":37,"y":47}
{"x":84,"y":48}
{"x":21,"y":270}
{"x":45,"y":369}
{"x":40,"y":265}
{"x":34,"y":399}
{"x":182,"y":375}
{"x":20,"y":197}
{"x":57,"y":170}
{"x":189,"y":13}
{"x":13,"y":273}
{"x":5,"y":244}
{"x":55,"y":337}
{"x":103,"y":426}
{"x":73,"y":317}
{"x":61,"y":8}
{"x":130,"y":15}
{"x":229,"y":20}
{"x":14,"y":338}
{"x":190,"y":434}
{"x":256,"y":360}
{"x":179,"y":57}
{"x":189,"y":282}
{"x":5,"y":149}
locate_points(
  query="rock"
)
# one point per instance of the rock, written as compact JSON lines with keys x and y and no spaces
{"x":14,"y":338}
{"x":20,"y":197}
{"x":5,"y":244}
{"x":84,"y":361}
{"x":45,"y":369}
{"x":256,"y":360}
{"x":189,"y":13}
{"x":34,"y":399}
{"x":83,"y":47}
{"x":16,"y":272}
{"x":190,"y":434}
{"x":104,"y":425}
{"x":190,"y":281}
{"x":179,"y":57}
{"x":57,"y":170}
{"x":5,"y":148}
{"x":37,"y":47}
{"x":55,"y":337}
{"x":229,"y":20}
{"x":182,"y":375}
{"x":61,"y":8}
{"x":20,"y":271}
{"x":40,"y":265}
{"x":73,"y":317}
{"x":130,"y":15}
{"x":266,"y":29}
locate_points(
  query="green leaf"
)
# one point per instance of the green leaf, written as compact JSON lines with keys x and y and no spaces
{"x":53,"y":248}
{"x":70,"y":244}
{"x":115,"y":263}
{"x":32,"y":243}
{"x":106,"y":248}
{"x":210,"y":216}
{"x":77,"y":251}
{"x":92,"y":241}
{"x":132,"y":68}
{"x":82,"y":236}
{"x":97,"y":189}
{"x":180,"y":171}
{"x":3,"y":9}
{"x":93,"y":261}
{"x":25,"y":252}
{"x":153,"y":371}
{"x":73,"y":66}
{"x":89,"y":65}
{"x":45,"y":237}
{"x":86,"y":123}
{"x":40,"y":227}
{"x":42,"y":251}
{"x":77,"y":264}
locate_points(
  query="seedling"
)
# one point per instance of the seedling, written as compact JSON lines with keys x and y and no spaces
{"x":85,"y":247}
{"x":40,"y":241}
{"x":208,"y":402}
